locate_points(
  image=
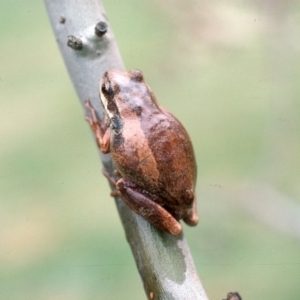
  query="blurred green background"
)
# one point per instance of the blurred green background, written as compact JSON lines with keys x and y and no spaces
{"x":229,"y":70}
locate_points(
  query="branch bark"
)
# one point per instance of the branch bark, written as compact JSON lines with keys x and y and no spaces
{"x":164,"y":261}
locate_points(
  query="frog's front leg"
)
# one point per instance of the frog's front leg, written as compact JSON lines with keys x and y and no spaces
{"x":102,"y":133}
{"x":113,"y":181}
{"x":141,"y":204}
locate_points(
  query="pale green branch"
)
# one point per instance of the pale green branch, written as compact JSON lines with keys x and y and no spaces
{"x":164,"y":261}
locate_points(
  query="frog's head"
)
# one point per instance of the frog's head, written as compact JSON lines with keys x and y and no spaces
{"x":125,"y":94}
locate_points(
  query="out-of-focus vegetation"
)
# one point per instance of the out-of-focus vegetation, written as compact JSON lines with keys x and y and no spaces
{"x":230,"y":71}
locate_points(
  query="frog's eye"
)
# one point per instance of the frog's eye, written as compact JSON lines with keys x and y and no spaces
{"x":103,"y":88}
{"x":137,"y":75}
{"x":107,"y":90}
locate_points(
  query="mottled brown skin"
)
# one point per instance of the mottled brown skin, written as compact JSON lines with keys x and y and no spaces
{"x":151,"y":150}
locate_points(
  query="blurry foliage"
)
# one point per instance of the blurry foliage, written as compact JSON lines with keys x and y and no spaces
{"x":230,"y":72}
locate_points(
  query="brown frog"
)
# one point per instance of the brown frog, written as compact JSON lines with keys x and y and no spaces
{"x":151,"y":150}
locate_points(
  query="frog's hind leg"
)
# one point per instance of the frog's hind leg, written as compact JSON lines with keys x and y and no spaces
{"x":148,"y":209}
{"x":192,"y":218}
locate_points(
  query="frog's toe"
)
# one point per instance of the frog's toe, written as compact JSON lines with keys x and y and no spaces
{"x":192,"y":218}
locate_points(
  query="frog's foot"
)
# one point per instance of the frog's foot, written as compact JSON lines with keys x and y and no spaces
{"x":192,"y":218}
{"x":102,"y":135}
{"x":92,"y":120}
{"x":112,"y":180}
{"x":141,"y":204}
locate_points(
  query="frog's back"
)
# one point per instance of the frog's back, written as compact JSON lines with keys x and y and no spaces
{"x":156,"y":153}
{"x":175,"y":159}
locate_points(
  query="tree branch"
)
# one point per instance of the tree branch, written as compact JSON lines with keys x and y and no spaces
{"x":164,"y":261}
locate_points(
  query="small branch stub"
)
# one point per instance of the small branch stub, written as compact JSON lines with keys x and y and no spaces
{"x":62,"y":20}
{"x":74,"y":42}
{"x":233,"y":296}
{"x":100,"y":29}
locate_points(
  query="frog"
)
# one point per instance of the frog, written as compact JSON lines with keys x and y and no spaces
{"x":151,"y":150}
